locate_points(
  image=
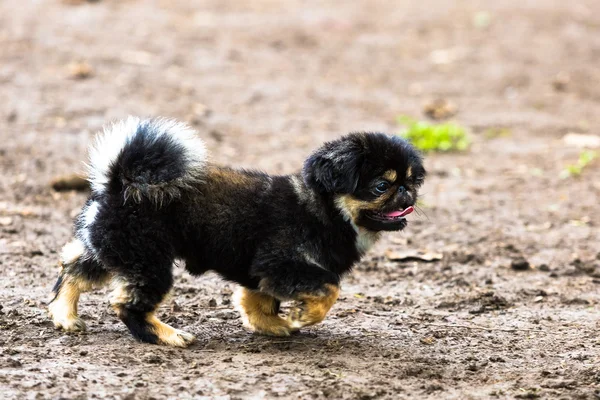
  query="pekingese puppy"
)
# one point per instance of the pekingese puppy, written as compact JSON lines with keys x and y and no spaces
{"x":156,"y":198}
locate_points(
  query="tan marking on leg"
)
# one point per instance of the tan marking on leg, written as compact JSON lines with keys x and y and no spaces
{"x":390,"y":175}
{"x":314,"y":308}
{"x":63,"y":309}
{"x":167,"y":334}
{"x":259,"y":313}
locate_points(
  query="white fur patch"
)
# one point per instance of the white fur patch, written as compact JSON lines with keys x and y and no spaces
{"x":237,"y":300}
{"x":85,"y":236}
{"x":119,"y":294}
{"x":310,"y":259}
{"x":106,"y":149}
{"x":237,"y":305}
{"x":365,"y":239}
{"x":90,"y":213}
{"x":298,"y":187}
{"x":72,"y":251}
{"x":111,"y":142}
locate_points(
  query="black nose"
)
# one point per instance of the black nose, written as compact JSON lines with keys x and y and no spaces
{"x":401,"y":189}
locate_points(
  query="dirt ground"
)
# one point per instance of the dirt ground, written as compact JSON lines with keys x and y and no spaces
{"x":265,"y":82}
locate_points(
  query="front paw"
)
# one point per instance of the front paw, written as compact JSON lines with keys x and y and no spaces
{"x":297,"y":316}
{"x":312,"y":308}
{"x":269,"y":325}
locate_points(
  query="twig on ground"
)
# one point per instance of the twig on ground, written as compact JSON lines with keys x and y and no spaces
{"x":482,"y":328}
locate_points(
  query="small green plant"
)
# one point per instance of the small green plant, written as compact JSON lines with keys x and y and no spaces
{"x":427,"y":136}
{"x":585,"y":158}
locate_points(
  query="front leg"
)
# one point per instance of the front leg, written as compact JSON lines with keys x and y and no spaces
{"x":313,"y":307}
{"x":260,"y":313}
{"x":314,"y":288}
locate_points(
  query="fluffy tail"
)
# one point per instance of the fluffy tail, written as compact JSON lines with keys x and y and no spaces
{"x":146,"y":160}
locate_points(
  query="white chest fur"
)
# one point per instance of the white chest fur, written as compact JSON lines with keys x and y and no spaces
{"x":365,"y":239}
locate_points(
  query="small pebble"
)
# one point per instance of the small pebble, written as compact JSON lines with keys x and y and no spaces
{"x":520,"y":264}
{"x":5,"y":221}
{"x":80,"y":70}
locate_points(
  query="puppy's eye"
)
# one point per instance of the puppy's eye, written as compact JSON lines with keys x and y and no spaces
{"x":382,"y":187}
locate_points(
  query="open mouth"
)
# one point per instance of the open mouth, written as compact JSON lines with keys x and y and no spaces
{"x":392,"y":215}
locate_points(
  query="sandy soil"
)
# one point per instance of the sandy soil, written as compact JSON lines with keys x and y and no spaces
{"x":264,"y":82}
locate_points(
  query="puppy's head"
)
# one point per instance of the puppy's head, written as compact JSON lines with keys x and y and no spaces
{"x":372,"y":177}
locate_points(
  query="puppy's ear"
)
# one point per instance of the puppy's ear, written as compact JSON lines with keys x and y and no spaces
{"x":335,"y":167}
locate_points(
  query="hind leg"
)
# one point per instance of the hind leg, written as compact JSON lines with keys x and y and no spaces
{"x":136,"y":298}
{"x":137,"y":248}
{"x":80,"y":273}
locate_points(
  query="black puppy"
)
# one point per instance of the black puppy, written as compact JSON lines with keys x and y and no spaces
{"x":155,"y":198}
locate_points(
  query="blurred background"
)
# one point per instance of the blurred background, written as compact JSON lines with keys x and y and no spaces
{"x":504,"y":97}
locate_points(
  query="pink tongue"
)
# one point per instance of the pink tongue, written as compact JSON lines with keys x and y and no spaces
{"x":402,"y":213}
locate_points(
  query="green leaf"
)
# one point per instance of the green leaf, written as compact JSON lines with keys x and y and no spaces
{"x":434,"y":137}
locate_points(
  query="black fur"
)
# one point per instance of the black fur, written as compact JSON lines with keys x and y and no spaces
{"x":148,"y":160}
{"x":335,"y":167}
{"x":284,"y":235}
